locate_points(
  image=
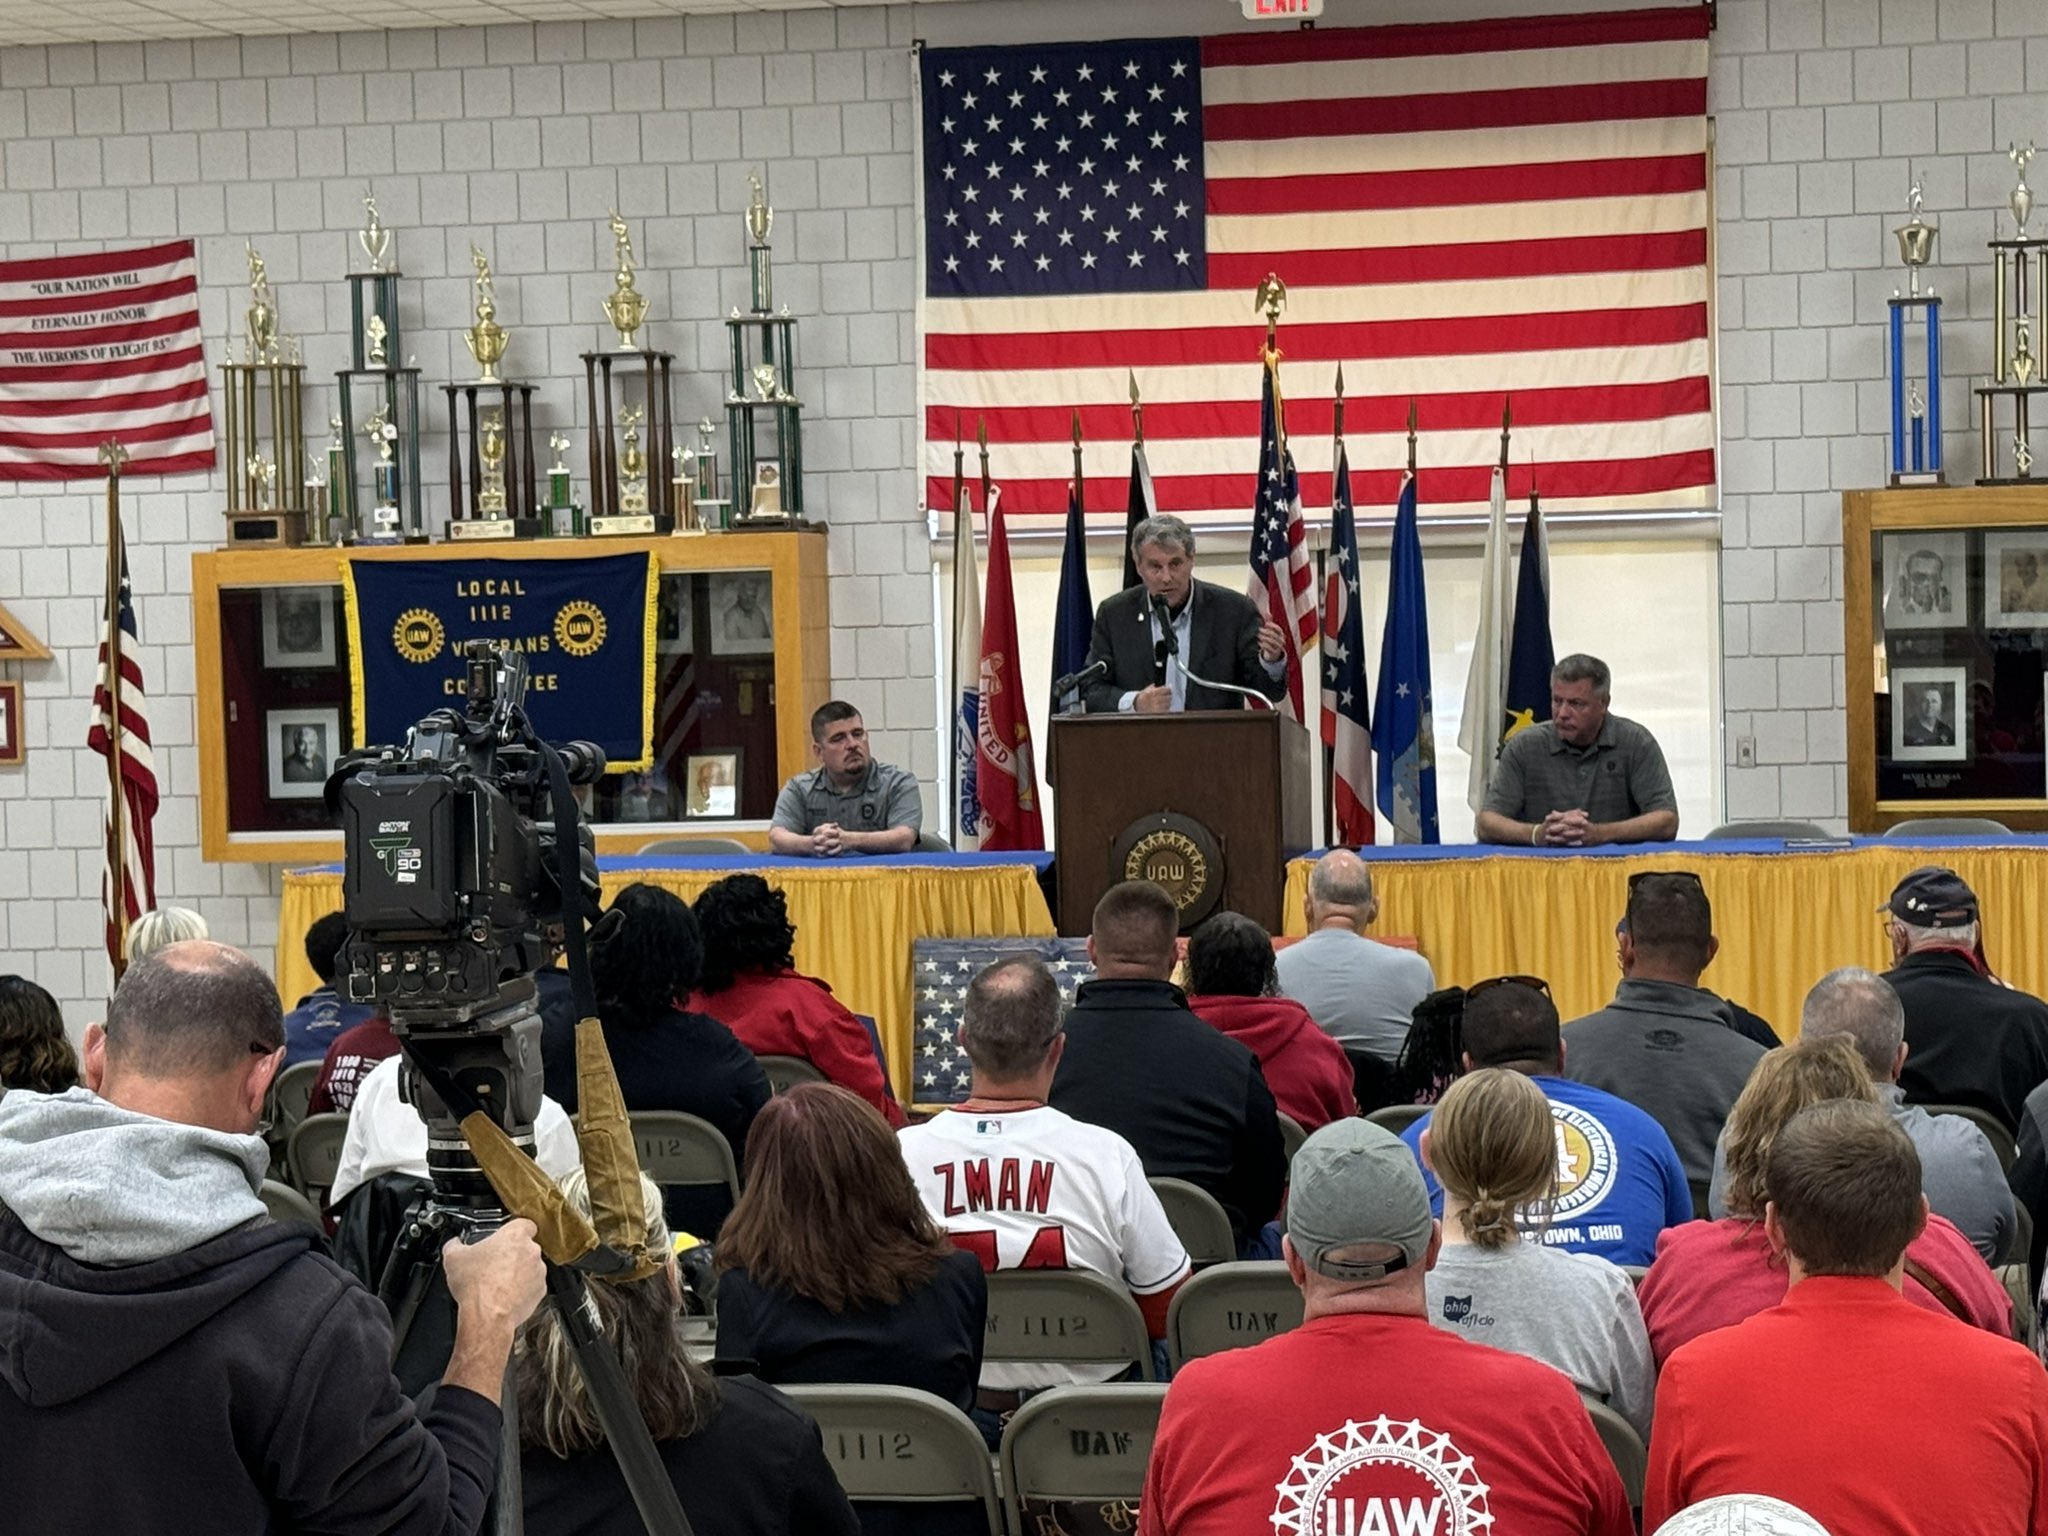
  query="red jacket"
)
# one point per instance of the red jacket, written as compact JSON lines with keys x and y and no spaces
{"x":1307,"y":1070}
{"x":790,"y":1014}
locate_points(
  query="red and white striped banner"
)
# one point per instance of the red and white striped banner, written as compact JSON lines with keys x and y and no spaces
{"x":1460,"y":211}
{"x":102,"y":346}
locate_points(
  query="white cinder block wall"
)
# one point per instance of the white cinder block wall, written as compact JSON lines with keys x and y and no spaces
{"x":1819,"y":109}
{"x":520,"y":137}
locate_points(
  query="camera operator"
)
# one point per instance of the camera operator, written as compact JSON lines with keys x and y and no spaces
{"x":174,"y":1357}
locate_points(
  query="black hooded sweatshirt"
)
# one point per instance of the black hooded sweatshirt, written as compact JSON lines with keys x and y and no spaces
{"x":241,"y":1386}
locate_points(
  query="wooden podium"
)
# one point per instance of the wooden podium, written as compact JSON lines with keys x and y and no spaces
{"x":1241,"y":775}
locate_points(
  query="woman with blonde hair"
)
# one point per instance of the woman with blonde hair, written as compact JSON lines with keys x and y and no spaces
{"x":745,"y":1460}
{"x":1494,"y":1147}
{"x":1712,"y":1274}
{"x":163,"y":926}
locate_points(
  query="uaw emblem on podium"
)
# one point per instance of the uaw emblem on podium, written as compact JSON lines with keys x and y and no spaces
{"x":1916,"y":401}
{"x":1176,"y":853}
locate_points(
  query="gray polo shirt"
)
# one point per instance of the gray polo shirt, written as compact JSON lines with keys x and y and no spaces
{"x":1622,"y":774}
{"x":885,"y":797}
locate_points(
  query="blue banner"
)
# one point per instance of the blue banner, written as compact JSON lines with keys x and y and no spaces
{"x":586,"y":627}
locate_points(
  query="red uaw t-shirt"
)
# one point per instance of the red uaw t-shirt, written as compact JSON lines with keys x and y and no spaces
{"x":1377,"y":1426}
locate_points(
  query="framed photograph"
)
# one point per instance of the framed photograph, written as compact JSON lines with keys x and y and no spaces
{"x":674,"y":629}
{"x":1926,"y":580}
{"x":299,"y":745}
{"x":1930,"y":714}
{"x":12,"y":748}
{"x":298,"y":627}
{"x":2016,"y":579}
{"x":713,"y":784}
{"x":645,"y":796}
{"x":742,"y":614}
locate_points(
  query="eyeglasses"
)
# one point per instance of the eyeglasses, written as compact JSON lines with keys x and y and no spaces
{"x":1534,"y":983}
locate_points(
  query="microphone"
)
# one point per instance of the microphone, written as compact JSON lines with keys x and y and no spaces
{"x":1167,"y":638}
{"x":1074,"y":682}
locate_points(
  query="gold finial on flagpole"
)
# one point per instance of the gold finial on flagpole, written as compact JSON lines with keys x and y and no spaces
{"x":1337,"y":407}
{"x":1411,"y":435}
{"x":981,"y":437}
{"x":1271,"y":299}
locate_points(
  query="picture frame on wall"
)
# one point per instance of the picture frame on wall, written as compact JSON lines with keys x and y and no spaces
{"x":2016,"y":579}
{"x":712,"y":781}
{"x":13,"y":743}
{"x":298,"y":628}
{"x":300,"y":746}
{"x":742,"y":613}
{"x":1930,"y":714}
{"x":1926,"y":579}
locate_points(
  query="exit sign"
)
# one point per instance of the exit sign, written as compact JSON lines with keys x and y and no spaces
{"x":1282,"y":10}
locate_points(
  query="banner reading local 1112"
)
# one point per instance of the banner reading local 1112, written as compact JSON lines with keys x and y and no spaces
{"x":586,"y":627}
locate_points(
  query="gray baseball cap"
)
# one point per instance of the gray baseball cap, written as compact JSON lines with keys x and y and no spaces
{"x":1355,"y":1182}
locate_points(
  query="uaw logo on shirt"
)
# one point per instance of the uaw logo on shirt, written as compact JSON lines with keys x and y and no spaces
{"x":1387,"y":1477}
{"x":1586,"y":1162}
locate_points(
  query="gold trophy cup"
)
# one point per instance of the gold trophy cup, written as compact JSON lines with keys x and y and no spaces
{"x":626,"y":307}
{"x":486,"y":339}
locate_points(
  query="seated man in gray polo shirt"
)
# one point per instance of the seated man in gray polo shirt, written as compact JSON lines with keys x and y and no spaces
{"x":1581,"y":777}
{"x":849,"y":803}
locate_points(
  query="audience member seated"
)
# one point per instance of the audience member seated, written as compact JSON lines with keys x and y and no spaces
{"x":1191,"y":1100}
{"x":2029,"y":1180}
{"x":321,"y":1016}
{"x":1360,"y":990}
{"x":744,"y":1459}
{"x":1493,"y":1145}
{"x":1712,"y":1274}
{"x":751,"y":982}
{"x":645,"y":957}
{"x":1971,"y":1039}
{"x":1665,"y":1043}
{"x":1365,"y":1418}
{"x":229,"y":1376}
{"x":1959,"y":1172}
{"x":354,"y":1054}
{"x":1232,"y":985}
{"x":161,"y":927}
{"x":1807,"y":1400}
{"x":1618,"y":1180}
{"x":1021,"y":1185}
{"x":849,"y":803}
{"x":831,"y":1268}
{"x":35,"y":1053}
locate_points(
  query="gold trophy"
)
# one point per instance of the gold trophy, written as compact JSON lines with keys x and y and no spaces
{"x":626,"y":307}
{"x":262,"y":473}
{"x":374,"y":332}
{"x":487,"y":339}
{"x":632,"y":516}
{"x":375,"y":238}
{"x":765,"y":382}
{"x":682,"y":497}
{"x":490,"y":499}
{"x":262,"y":311}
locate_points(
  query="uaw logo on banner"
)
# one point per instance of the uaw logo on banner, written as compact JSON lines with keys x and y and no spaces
{"x":585,"y":626}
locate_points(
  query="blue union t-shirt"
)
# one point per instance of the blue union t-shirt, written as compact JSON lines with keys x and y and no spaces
{"x":1619,"y":1179}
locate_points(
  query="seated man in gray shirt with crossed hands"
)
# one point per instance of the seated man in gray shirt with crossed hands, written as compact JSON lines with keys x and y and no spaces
{"x":1583,"y":776}
{"x":849,"y":803}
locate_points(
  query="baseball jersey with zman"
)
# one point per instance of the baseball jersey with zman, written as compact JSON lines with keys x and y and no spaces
{"x":1377,"y":1425}
{"x":1038,"y":1189}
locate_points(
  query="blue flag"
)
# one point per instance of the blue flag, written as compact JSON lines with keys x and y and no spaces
{"x":1403,"y":737}
{"x":1073,"y":620}
{"x":1526,"y":699}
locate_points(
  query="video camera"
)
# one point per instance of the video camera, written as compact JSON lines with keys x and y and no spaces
{"x":454,"y":888}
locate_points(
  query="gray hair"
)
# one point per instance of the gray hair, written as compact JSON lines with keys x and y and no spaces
{"x":1340,"y":878}
{"x":1861,"y":1005}
{"x":161,"y":926}
{"x":1012,"y":1015}
{"x":1959,"y":936}
{"x":1581,"y":668}
{"x":192,"y":1009}
{"x":1169,"y":531}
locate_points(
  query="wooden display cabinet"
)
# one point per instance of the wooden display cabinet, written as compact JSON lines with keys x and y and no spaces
{"x":272,"y":659}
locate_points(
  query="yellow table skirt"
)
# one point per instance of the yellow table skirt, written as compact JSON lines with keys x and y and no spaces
{"x":1784,"y":919}
{"x":854,"y":925}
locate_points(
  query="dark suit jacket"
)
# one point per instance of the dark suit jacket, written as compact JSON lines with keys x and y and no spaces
{"x":1223,"y":644}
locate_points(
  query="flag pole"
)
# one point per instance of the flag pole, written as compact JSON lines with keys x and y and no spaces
{"x":1506,"y":410}
{"x":1411,"y":437}
{"x":1272,"y":298}
{"x":113,"y":455}
{"x":1323,"y":586}
{"x":1080,"y":487}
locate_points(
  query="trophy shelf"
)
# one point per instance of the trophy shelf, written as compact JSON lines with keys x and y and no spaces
{"x":801,"y":658}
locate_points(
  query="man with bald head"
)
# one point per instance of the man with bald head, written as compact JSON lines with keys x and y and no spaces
{"x":1360,"y":990}
{"x":1191,"y":1100}
{"x":151,"y":1305}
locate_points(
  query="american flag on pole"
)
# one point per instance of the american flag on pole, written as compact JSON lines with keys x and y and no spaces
{"x":1281,"y":583}
{"x":1467,"y":208}
{"x":102,"y":346}
{"x":1347,"y":698}
{"x":135,"y":854}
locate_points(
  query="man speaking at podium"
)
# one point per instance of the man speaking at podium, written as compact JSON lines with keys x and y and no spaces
{"x":1163,"y":645}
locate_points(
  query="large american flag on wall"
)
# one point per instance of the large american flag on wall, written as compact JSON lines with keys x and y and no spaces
{"x":98,"y":346}
{"x":1460,"y":211}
